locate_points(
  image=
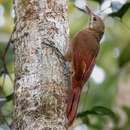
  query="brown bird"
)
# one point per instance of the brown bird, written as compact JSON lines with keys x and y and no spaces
{"x":82,"y":53}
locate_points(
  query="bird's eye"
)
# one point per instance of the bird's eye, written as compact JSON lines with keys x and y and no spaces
{"x":94,"y":19}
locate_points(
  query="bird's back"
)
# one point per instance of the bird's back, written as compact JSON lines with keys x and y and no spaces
{"x":85,"y":41}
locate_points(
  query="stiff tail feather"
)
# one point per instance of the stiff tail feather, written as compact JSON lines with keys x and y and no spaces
{"x":73,"y":102}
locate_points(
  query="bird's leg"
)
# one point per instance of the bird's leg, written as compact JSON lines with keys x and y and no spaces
{"x":68,"y":53}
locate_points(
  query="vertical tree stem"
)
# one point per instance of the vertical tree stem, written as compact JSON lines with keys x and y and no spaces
{"x":40,"y":39}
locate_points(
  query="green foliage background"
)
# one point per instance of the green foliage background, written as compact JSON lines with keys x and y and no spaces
{"x":97,"y":106}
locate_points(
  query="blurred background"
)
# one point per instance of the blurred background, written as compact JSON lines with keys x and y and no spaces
{"x":105,"y":105}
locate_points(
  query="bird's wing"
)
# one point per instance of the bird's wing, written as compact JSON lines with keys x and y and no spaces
{"x":88,"y":67}
{"x":83,"y":65}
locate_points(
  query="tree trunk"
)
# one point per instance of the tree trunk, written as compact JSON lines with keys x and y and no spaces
{"x":40,"y":39}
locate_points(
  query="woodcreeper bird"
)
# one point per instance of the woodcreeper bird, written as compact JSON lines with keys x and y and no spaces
{"x":82,"y":53}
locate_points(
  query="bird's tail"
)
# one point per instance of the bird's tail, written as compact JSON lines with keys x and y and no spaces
{"x":73,"y":101}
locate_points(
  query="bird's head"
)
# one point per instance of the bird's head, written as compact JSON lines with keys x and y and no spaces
{"x":96,"y":23}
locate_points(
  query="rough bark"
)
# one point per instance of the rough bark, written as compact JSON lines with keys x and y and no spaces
{"x":40,"y":39}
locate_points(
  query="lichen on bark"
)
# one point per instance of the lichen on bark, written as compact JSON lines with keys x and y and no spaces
{"x":40,"y":39}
